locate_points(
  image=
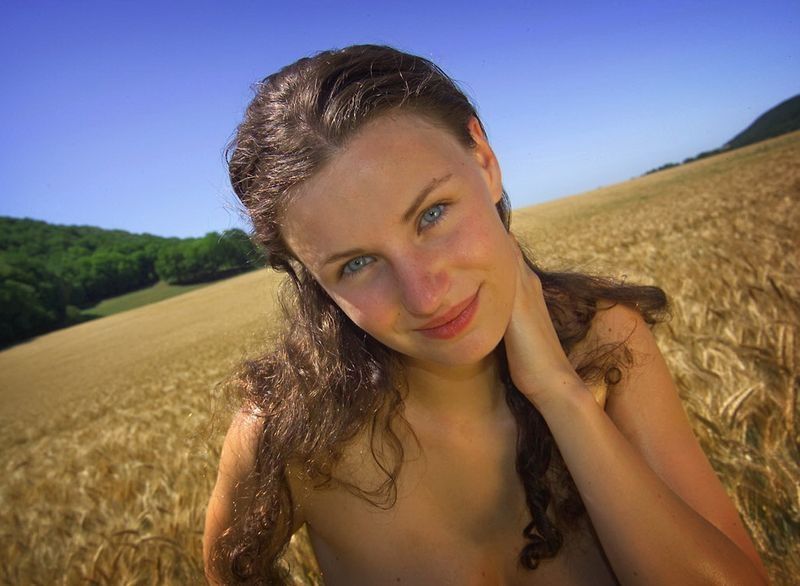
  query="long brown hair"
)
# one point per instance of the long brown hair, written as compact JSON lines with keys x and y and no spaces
{"x":326,"y":380}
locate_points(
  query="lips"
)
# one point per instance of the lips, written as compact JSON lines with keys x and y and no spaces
{"x":453,"y":320}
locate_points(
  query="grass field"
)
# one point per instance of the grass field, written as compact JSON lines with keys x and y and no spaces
{"x":107,"y":454}
{"x":158,"y":292}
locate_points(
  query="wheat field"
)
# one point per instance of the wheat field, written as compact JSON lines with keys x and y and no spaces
{"x":110,"y":431}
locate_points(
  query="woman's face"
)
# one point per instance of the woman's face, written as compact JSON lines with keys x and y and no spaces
{"x":400,"y":228}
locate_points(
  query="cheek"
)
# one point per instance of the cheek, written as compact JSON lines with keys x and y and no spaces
{"x":370,"y":310}
{"x":479,"y":240}
{"x":487,"y":246}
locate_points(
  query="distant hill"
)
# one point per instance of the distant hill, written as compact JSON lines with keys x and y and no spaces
{"x":782,"y":119}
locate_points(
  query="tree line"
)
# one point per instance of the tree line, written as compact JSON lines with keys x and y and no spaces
{"x":48,"y":273}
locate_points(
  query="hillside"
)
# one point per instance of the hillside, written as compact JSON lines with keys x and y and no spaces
{"x":783,"y":118}
{"x":49,"y":273}
{"x":110,"y":431}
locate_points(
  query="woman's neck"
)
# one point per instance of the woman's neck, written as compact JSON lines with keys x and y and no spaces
{"x":464,"y":394}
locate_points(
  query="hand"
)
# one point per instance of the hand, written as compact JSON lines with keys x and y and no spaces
{"x":537,"y":363}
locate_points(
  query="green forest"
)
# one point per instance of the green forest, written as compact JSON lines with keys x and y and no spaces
{"x":48,"y":272}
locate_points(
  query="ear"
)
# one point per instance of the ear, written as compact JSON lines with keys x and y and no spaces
{"x":486,"y":159}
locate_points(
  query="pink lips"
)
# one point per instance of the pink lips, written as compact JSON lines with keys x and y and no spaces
{"x":453,"y":322}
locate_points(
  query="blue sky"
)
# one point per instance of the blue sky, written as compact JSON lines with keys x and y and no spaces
{"x":115,"y":114}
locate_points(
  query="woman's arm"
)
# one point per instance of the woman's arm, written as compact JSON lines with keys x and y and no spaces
{"x":659,"y":510}
{"x":230,"y":492}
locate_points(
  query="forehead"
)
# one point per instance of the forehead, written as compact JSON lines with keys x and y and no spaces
{"x":371,"y":181}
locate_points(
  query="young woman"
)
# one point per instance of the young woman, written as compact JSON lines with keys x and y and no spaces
{"x":440,"y":410}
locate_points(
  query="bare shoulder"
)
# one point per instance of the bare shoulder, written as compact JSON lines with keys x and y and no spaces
{"x":616,"y":322}
{"x":646,"y":408}
{"x":644,"y":404}
{"x":616,"y":331}
{"x":233,"y":484}
{"x":240,"y":448}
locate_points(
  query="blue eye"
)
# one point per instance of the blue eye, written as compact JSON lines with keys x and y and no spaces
{"x":356,"y":265}
{"x":432,"y":215}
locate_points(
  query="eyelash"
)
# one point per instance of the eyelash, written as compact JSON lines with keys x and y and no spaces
{"x":441,"y":206}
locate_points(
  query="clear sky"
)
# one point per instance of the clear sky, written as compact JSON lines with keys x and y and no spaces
{"x":116,"y":114}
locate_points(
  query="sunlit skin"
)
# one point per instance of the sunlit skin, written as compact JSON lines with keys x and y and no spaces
{"x":412,"y":260}
{"x":400,"y":228}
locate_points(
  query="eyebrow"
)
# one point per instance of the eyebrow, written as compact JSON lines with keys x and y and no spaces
{"x":433,"y":184}
{"x":407,"y":216}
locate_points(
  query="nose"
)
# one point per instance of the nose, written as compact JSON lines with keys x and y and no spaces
{"x":423,"y":283}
